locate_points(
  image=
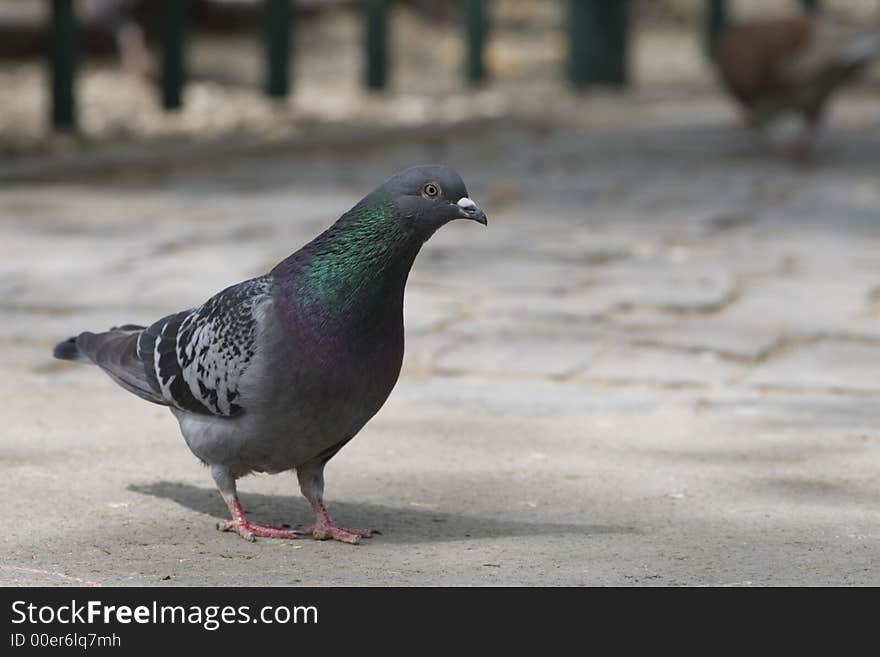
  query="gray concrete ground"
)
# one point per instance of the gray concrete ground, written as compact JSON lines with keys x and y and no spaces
{"x":658,"y":366}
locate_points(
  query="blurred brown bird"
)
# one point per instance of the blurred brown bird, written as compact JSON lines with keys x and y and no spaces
{"x":791,"y":65}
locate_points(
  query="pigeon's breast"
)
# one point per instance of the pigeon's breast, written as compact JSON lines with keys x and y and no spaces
{"x":303,"y":395}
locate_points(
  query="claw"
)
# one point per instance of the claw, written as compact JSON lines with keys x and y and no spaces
{"x":250,"y":530}
{"x":323,"y":531}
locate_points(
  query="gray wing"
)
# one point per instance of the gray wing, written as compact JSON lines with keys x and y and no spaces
{"x":196,"y":359}
{"x":193,"y":360}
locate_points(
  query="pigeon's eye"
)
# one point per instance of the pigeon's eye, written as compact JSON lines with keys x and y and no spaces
{"x":431,"y":190}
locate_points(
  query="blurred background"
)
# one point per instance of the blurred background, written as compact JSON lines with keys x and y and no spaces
{"x":658,"y":365}
{"x":423,"y":48}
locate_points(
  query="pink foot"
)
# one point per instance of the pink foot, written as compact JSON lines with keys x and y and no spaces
{"x":751,"y":124}
{"x":324,"y":528}
{"x":802,"y":151}
{"x":250,"y":530}
{"x":805,"y":146}
{"x":323,"y":531}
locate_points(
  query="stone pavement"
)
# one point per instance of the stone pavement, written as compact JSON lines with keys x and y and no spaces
{"x":659,"y":365}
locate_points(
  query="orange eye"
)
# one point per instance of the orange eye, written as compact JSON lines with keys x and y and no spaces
{"x":431,"y":190}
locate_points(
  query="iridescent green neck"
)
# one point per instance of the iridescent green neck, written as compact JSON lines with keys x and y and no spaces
{"x":362,"y":260}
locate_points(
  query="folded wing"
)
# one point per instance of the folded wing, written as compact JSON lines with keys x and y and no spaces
{"x":193,"y":360}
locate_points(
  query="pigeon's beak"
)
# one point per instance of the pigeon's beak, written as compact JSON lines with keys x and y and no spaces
{"x":467,"y":209}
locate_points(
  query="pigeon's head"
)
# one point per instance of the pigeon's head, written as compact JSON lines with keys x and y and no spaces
{"x":427,"y":197}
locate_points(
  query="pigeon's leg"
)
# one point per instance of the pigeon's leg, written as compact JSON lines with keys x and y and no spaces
{"x":805,"y":146}
{"x":311,"y":483}
{"x":240,"y":524}
{"x":756,"y":129}
{"x":754,"y":125}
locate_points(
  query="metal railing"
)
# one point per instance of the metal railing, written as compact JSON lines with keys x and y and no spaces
{"x":598,"y":33}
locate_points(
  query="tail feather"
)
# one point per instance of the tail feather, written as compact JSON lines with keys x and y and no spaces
{"x":67,"y":350}
{"x":115,"y":352}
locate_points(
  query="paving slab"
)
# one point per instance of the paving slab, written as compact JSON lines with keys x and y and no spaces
{"x":657,"y":366}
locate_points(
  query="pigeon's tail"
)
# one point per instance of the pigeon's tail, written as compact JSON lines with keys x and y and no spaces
{"x":67,"y":350}
{"x":114,"y":351}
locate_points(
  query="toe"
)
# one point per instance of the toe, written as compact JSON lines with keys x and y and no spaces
{"x":363,"y":533}
{"x":249,"y":531}
{"x":326,"y":532}
{"x":344,"y":536}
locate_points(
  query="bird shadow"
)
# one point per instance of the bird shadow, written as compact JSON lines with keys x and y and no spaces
{"x":396,"y":524}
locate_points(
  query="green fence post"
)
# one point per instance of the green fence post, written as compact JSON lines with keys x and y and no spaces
{"x":475,"y":11}
{"x":716,"y":21}
{"x":173,"y":54}
{"x":376,"y":43}
{"x":279,"y":18}
{"x":581,"y":30}
{"x":63,"y":63}
{"x":598,"y":38}
{"x":613,"y":24}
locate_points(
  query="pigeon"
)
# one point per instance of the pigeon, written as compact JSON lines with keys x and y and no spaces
{"x":791,"y":65}
{"x":279,"y":372}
